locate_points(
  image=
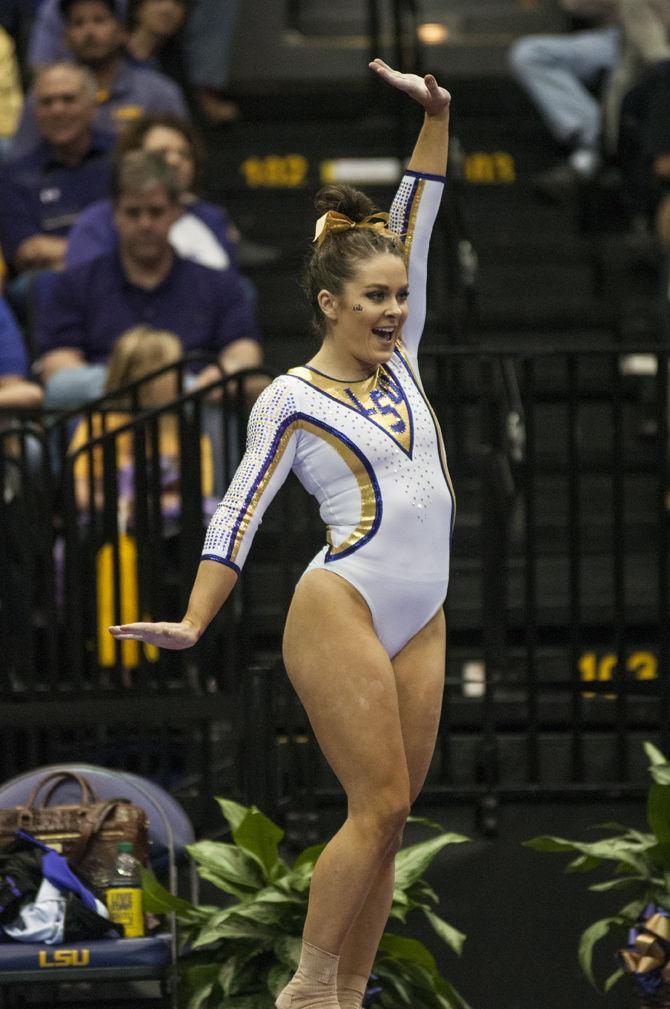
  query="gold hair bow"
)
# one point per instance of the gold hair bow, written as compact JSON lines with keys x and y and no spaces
{"x":334,"y":221}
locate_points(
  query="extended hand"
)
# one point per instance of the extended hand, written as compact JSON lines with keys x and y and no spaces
{"x":163,"y":635}
{"x":424,"y":90}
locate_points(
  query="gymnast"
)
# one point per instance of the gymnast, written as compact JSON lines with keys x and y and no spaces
{"x":364,"y":642}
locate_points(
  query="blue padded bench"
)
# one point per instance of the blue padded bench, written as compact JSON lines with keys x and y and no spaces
{"x":79,"y":961}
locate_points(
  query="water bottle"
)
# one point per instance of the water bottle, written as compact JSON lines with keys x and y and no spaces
{"x":124,"y":892}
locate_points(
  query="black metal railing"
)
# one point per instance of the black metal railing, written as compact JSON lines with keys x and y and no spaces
{"x":558,"y":608}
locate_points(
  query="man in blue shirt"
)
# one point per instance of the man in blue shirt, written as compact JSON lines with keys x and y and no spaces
{"x":95,"y":37}
{"x":144,"y":281}
{"x":15,"y":389}
{"x":42,"y":193}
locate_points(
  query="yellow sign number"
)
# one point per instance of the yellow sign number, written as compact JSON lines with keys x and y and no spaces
{"x":275,"y":171}
{"x":642,"y":665}
{"x":489,"y":168}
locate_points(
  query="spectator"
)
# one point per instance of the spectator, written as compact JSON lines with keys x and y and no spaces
{"x":42,"y":193}
{"x":155,"y":36}
{"x":95,"y":37}
{"x":209,"y":43}
{"x":90,"y":305}
{"x":208,"y":38}
{"x":639,"y":114}
{"x":11,"y":96}
{"x":645,"y":43}
{"x":203,"y":232}
{"x":16,"y":391}
{"x":138,"y":352}
{"x":557,"y":72}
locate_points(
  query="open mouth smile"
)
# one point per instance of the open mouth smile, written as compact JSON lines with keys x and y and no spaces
{"x":384,"y":334}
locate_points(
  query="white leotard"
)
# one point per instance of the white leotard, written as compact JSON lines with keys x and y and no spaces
{"x":371,"y":452}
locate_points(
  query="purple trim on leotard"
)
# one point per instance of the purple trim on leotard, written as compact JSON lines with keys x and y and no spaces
{"x":220,"y":560}
{"x":294,"y":419}
{"x":350,"y":406}
{"x":425,"y":175}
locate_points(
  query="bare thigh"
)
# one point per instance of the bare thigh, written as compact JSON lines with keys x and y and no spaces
{"x":347,"y":684}
{"x":419,"y":674}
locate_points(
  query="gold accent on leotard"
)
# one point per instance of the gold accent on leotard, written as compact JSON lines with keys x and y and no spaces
{"x":369,"y":504}
{"x":411,"y":224}
{"x":380,"y":398}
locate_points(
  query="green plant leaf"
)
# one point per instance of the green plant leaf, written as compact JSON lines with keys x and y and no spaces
{"x":235,"y":927}
{"x":287,"y":949}
{"x":412,"y":862}
{"x":296,"y":881}
{"x":400,"y":987}
{"x":263,"y":1000}
{"x":658,"y":812}
{"x":612,"y":979}
{"x":273,"y":895}
{"x":658,"y":767}
{"x":427,"y":823}
{"x":308,"y":856}
{"x":617,"y":884}
{"x":590,"y":936}
{"x":631,"y":912}
{"x":233,"y":812}
{"x":402,"y":948}
{"x":227,"y":867}
{"x":584,"y":863}
{"x":259,"y":837}
{"x":454,"y":998}
{"x":618,"y":849}
{"x":420,"y":892}
{"x":447,"y":933}
{"x":157,"y":900}
{"x":232,"y":970}
{"x":278,"y":977}
{"x":400,"y":899}
{"x":659,"y":857}
{"x":200,"y":982}
{"x":278,"y":916}
{"x":427,"y":990}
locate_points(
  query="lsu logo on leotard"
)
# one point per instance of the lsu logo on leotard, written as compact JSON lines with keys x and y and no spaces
{"x":380,"y":398}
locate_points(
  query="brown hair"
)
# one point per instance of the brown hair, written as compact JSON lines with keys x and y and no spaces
{"x":139,"y":171}
{"x":133,"y":135}
{"x":137,"y":352}
{"x":333,"y":262}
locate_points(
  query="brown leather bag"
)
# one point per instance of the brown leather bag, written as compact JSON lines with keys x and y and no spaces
{"x":87,"y":833}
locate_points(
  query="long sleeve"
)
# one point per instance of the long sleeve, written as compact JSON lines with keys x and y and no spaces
{"x":413,"y":214}
{"x":269,"y":456}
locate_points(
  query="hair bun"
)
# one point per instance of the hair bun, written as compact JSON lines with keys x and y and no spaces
{"x":345,"y":200}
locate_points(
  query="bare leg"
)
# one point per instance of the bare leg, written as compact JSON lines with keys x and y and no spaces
{"x":347,"y":685}
{"x":419,"y":672}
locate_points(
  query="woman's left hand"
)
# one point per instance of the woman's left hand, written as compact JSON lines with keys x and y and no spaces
{"x":424,"y":90}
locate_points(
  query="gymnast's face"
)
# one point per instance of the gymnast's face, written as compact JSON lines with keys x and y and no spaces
{"x":365,"y":321}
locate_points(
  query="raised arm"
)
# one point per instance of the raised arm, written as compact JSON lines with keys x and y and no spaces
{"x":430,"y":151}
{"x":417,"y":201}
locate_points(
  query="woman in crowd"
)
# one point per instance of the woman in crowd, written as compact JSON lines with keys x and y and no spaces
{"x":136,"y":354}
{"x":364,"y":643}
{"x":203,"y":233}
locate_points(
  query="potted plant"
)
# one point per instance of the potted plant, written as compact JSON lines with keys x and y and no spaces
{"x":639,"y":867}
{"x":240,"y":956}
